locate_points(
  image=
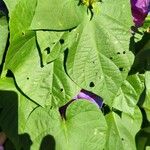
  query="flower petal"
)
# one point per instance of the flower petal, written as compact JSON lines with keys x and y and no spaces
{"x":90,"y":96}
{"x":140,"y":9}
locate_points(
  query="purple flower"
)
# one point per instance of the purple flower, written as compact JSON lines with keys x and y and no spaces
{"x":83,"y":94}
{"x":140,"y":9}
{"x":91,"y":97}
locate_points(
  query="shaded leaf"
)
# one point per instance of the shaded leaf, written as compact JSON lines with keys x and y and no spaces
{"x":12,"y":103}
{"x":84,"y":127}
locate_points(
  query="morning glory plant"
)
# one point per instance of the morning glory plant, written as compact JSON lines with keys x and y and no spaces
{"x":71,"y":77}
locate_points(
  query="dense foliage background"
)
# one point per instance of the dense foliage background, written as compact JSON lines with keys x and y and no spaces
{"x":49,"y":51}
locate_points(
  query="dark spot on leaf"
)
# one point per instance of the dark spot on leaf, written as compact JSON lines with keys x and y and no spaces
{"x":111,"y":58}
{"x":23,"y":33}
{"x":91,"y":84}
{"x":121,"y":69}
{"x":53,"y":43}
{"x":122,"y":139}
{"x":47,"y":50}
{"x":61,"y":41}
{"x":27,"y":78}
{"x":61,"y":90}
{"x":93,"y":62}
{"x":124,"y":52}
{"x":118,"y":53}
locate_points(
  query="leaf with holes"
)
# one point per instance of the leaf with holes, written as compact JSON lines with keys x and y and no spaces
{"x":99,"y":59}
{"x":51,"y":44}
{"x":48,"y":85}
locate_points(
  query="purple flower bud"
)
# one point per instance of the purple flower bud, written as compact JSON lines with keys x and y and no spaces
{"x":140,"y":9}
{"x":91,"y":97}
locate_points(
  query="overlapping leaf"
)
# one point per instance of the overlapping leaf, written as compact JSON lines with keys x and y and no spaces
{"x":51,"y":44}
{"x":129,"y":94}
{"x":47,"y":85}
{"x":58,"y":14}
{"x":84,"y":127}
{"x":99,"y":59}
{"x":118,"y":135}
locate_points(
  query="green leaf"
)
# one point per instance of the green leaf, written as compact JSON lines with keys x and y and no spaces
{"x":99,"y":59}
{"x":57,"y":15}
{"x":47,"y":85}
{"x":84,"y":128}
{"x":21,"y":16}
{"x":132,"y":122}
{"x":147,"y":147}
{"x":4,"y":35}
{"x":129,"y":94}
{"x":118,"y":135}
{"x":51,"y":44}
{"x":11,"y":4}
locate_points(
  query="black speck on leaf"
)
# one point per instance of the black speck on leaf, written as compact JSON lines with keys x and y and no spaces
{"x":121,"y":69}
{"x":23,"y":33}
{"x":111,"y":58}
{"x":61,"y":90}
{"x":124,"y":52}
{"x":27,"y":78}
{"x":118,"y":53}
{"x":122,"y":139}
{"x":61,"y":41}
{"x":47,"y":50}
{"x":91,"y":84}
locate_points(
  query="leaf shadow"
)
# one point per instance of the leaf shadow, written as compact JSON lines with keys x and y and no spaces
{"x":9,"y":122}
{"x":142,"y":54}
{"x":9,"y":125}
{"x":48,"y":143}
